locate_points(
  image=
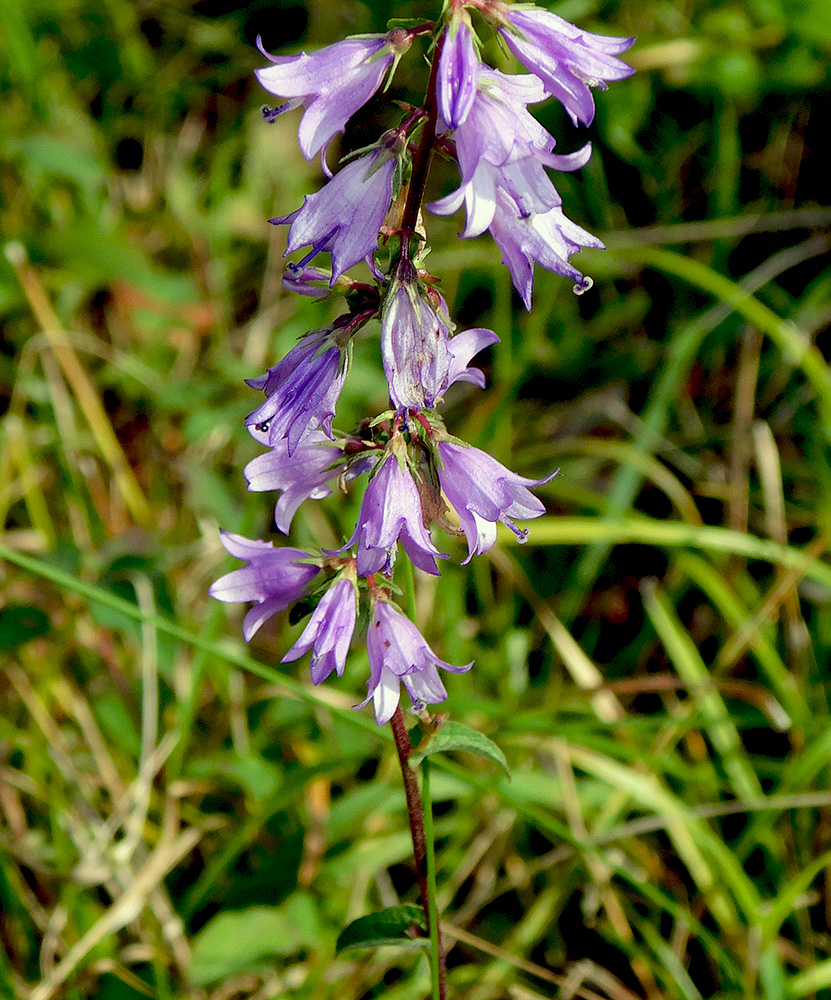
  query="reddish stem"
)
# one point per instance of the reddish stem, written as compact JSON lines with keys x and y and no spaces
{"x":415,"y":812}
{"x":421,"y":159}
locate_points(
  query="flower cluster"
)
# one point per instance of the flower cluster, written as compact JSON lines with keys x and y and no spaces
{"x":418,"y":476}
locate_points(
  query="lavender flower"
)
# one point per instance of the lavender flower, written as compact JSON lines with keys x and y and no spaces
{"x":414,"y":349}
{"x":566,"y":59}
{"x":398,"y":652}
{"x":549,"y":238}
{"x":523,"y":233}
{"x":482,"y":492}
{"x":391,"y":512}
{"x":503,"y":152}
{"x":273,"y":578}
{"x":328,"y":632}
{"x":331,"y":84}
{"x":302,"y":390}
{"x":498,"y":128}
{"x":299,"y":476}
{"x":344,"y":217}
{"x":458,"y":77}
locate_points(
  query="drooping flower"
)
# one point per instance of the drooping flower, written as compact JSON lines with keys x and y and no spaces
{"x":547,"y":238}
{"x":503,"y":153}
{"x":391,"y":512}
{"x":302,"y":390}
{"x":330,"y":84}
{"x":567,"y":60}
{"x":273,"y":578}
{"x":525,"y":235}
{"x":458,"y":77}
{"x":399,"y":652}
{"x":414,"y":349}
{"x":299,"y":476}
{"x":482,"y":492}
{"x":344,"y":217}
{"x":328,"y":632}
{"x":499,"y":128}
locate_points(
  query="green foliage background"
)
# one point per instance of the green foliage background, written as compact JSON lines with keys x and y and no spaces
{"x":182,"y":817}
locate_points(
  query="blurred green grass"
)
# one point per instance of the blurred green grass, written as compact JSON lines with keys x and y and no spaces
{"x":180,"y":817}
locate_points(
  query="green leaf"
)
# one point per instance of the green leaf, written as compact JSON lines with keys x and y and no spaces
{"x":455,"y":736}
{"x":395,"y":925}
{"x":19,"y":623}
{"x":239,"y":940}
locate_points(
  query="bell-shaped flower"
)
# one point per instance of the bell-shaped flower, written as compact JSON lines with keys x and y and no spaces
{"x":301,"y":475}
{"x":503,"y":153}
{"x":482,"y":491}
{"x":328,"y":632}
{"x":524,"y":228}
{"x":330,"y":84}
{"x":399,"y":652}
{"x":567,"y":60}
{"x":391,"y":512}
{"x":458,"y":77}
{"x":547,"y":238}
{"x":302,"y":390}
{"x":344,"y":217}
{"x":272,"y":578}
{"x":499,"y":128}
{"x":462,"y":349}
{"x":414,"y":349}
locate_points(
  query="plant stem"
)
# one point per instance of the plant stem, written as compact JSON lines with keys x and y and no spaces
{"x":431,"y":876}
{"x":415,"y":812}
{"x":421,"y":159}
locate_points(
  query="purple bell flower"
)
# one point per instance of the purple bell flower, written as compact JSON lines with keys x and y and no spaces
{"x":524,"y":181}
{"x":398,"y":652}
{"x":414,"y":349}
{"x":566,"y":59}
{"x":330,"y":84}
{"x":273,"y":578}
{"x":391,"y":512}
{"x":503,"y":152}
{"x":300,"y":476}
{"x":482,"y":492}
{"x":302,"y":390}
{"x":328,"y":632}
{"x":549,"y":238}
{"x":523,"y":229}
{"x":344,"y":217}
{"x":458,"y":78}
{"x":499,"y":128}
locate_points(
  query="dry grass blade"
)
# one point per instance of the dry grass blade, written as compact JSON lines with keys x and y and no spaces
{"x":82,"y":386}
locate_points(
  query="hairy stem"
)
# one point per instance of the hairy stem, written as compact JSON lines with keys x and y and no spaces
{"x":431,"y":879}
{"x":421,"y":158}
{"x":415,"y":812}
